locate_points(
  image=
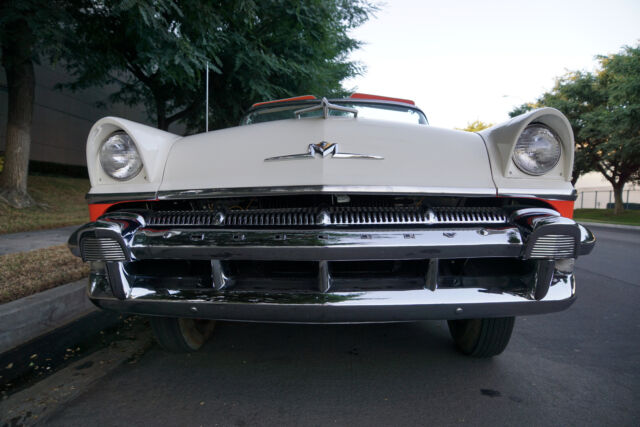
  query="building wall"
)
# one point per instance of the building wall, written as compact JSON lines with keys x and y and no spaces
{"x":594,"y":191}
{"x":61,"y":118}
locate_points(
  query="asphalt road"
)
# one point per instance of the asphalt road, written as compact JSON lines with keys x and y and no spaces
{"x":577,"y":367}
{"x":31,"y":240}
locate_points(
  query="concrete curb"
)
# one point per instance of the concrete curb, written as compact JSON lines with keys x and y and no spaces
{"x":27,"y":318}
{"x":605,"y":225}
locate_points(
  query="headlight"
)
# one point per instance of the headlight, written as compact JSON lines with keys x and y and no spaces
{"x":119,"y":157}
{"x":537,"y":150}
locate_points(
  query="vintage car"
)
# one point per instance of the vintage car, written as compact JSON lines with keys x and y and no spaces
{"x":333,"y":211}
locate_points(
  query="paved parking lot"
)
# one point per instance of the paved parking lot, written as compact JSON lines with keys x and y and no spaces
{"x":580,"y":366}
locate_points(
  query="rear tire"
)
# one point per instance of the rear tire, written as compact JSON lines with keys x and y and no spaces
{"x":181,"y":335}
{"x":481,"y":337}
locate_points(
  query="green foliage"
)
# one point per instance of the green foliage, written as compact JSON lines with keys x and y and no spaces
{"x":38,"y":25}
{"x":155,"y":53}
{"x":282,"y":48}
{"x":152,"y":52}
{"x":604,"y":111}
{"x":476,"y":126}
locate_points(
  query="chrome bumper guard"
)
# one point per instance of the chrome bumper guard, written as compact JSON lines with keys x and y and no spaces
{"x":534,"y":234}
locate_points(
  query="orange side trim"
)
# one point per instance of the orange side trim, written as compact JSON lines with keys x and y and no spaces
{"x":564,"y":207}
{"x":381,"y":98}
{"x":295,"y":98}
{"x":96,"y":210}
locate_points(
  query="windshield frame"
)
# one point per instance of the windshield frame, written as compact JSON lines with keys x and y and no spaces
{"x":340,"y":101}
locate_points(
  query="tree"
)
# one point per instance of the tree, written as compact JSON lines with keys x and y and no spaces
{"x":28,"y":29}
{"x":604,"y":111}
{"x":476,"y":126}
{"x":156,"y":53}
{"x":153,"y":52}
{"x":282,"y":48}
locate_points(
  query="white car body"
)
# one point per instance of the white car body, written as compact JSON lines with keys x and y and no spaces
{"x":431,"y":160}
{"x":334,"y":217}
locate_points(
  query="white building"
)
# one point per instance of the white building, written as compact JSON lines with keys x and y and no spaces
{"x":594,"y":191}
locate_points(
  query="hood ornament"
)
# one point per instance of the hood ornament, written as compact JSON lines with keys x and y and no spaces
{"x":324,"y":149}
{"x":326,"y":108}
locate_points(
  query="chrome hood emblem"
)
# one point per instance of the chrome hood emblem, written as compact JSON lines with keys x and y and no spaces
{"x":323,"y":149}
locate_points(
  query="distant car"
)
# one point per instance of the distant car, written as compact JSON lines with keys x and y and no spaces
{"x":333,"y":211}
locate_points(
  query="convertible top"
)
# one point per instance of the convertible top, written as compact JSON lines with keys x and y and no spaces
{"x":364,"y":96}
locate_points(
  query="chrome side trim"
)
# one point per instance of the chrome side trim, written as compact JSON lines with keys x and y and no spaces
{"x":338,"y":189}
{"x":552,"y":194}
{"x":336,"y":307}
{"x":203,"y":193}
{"x":119,"y":197}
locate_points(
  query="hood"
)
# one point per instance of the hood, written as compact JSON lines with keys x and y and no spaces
{"x":417,"y":158}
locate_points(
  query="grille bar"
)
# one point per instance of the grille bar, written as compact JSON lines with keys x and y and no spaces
{"x":330,"y":216}
{"x":554,"y":246}
{"x":101,"y":249}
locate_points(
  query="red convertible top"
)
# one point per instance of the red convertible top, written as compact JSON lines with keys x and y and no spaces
{"x":353,"y":96}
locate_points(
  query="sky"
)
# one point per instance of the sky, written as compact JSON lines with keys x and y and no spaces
{"x":466,"y":60}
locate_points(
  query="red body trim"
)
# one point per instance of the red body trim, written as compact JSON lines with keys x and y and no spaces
{"x":381,"y":98}
{"x":564,"y":207}
{"x":96,"y":210}
{"x":295,"y":98}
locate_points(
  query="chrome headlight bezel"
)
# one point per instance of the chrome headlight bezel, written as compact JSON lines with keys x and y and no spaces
{"x":520,"y":156}
{"x":130,"y":163}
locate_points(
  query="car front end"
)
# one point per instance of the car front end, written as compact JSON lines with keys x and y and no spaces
{"x":335,"y":219}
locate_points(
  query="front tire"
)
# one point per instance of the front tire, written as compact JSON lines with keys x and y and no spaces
{"x":181,"y":335}
{"x":482,"y":337}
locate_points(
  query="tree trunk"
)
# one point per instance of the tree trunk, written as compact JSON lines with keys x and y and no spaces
{"x":617,"y":197}
{"x":18,"y":65}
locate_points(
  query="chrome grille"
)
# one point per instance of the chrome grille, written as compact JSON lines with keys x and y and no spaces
{"x":469,"y":216}
{"x":330,"y":216}
{"x":554,"y":246}
{"x":101,"y":249}
{"x":270,"y":217}
{"x":379,"y":215}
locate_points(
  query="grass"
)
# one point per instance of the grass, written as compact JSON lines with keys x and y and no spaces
{"x":60,"y":200}
{"x":26,"y":273}
{"x":628,"y":217}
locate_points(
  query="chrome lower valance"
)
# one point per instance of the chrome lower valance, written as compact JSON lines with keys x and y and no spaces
{"x":334,"y":307}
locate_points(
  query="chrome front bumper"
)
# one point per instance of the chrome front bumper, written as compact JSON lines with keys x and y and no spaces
{"x":334,"y":307}
{"x":112,"y":287}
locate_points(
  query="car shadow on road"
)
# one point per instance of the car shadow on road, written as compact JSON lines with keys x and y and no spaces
{"x":251,"y":373}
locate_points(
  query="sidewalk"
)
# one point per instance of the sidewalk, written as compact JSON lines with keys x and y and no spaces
{"x":30,"y":240}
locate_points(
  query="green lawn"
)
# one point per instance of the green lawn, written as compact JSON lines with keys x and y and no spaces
{"x":60,"y":200}
{"x":628,"y":217}
{"x":26,"y":273}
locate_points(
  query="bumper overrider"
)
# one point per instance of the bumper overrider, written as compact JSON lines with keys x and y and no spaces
{"x":542,"y":244}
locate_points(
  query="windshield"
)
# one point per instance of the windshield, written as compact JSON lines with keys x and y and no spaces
{"x":396,"y":113}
